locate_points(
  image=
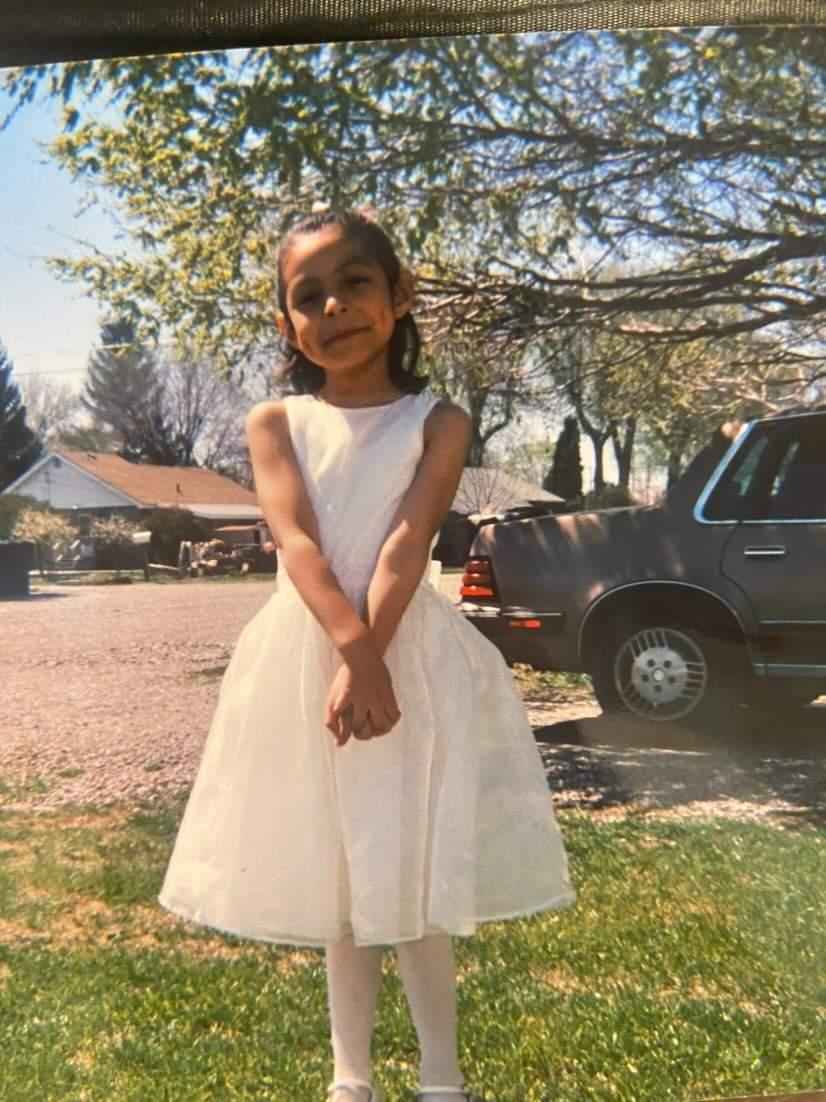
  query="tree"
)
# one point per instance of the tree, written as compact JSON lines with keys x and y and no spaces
{"x":527,"y":460}
{"x":19,"y":447}
{"x":204,"y":414}
{"x":113,"y":535}
{"x":477,"y":382}
{"x":168,"y":528}
{"x":123,"y":391}
{"x":89,"y":438}
{"x":692,"y":158}
{"x":483,"y":490}
{"x":46,"y":529}
{"x":565,"y":476}
{"x":171,"y":410}
{"x":51,"y":408}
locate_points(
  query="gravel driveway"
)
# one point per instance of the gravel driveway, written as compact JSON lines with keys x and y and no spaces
{"x":108,"y":692}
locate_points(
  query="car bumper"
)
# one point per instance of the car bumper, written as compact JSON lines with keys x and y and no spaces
{"x":542,"y":646}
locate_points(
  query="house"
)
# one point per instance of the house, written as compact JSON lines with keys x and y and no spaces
{"x":84,"y":485}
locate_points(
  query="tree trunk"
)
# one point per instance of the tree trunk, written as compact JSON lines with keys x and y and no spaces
{"x":477,"y":400}
{"x":624,"y":450}
{"x":598,"y":440}
{"x":675,"y":465}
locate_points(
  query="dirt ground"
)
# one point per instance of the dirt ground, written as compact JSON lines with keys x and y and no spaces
{"x":108,"y":692}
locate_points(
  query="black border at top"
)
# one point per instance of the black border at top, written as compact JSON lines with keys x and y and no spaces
{"x":42,"y":31}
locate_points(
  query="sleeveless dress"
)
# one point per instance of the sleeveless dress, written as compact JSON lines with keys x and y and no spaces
{"x":443,"y":823}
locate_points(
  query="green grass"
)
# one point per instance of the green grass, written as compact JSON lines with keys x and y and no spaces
{"x":550,"y":686}
{"x":691,"y":968}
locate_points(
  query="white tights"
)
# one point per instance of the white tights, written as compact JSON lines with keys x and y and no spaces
{"x":428,"y":973}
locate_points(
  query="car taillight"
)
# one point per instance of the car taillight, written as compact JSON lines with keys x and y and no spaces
{"x":477,"y":580}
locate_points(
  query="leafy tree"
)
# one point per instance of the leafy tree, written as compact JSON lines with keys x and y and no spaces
{"x":528,"y":460}
{"x":46,"y":529}
{"x":565,"y":476}
{"x":112,"y":536}
{"x":692,"y":158}
{"x":660,"y":188}
{"x":168,"y":528}
{"x":19,"y":447}
{"x":487,"y":389}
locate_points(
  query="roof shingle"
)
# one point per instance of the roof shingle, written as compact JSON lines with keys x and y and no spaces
{"x":155,"y":485}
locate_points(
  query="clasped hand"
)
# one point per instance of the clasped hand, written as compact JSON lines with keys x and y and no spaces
{"x":361,"y":702}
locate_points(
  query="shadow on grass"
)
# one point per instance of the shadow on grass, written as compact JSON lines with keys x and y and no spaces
{"x":759,"y":766}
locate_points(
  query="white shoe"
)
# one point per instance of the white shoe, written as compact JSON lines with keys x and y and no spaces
{"x":354,"y":1089}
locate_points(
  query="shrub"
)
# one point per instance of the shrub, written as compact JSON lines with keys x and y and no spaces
{"x":114,"y":548}
{"x":609,"y":497}
{"x":46,"y":529}
{"x":168,"y":528}
{"x":11,"y":506}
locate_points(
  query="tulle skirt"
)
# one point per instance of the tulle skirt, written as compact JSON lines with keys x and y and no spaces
{"x":444,"y":823}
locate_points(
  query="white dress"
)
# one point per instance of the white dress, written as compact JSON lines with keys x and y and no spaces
{"x":441,"y":824}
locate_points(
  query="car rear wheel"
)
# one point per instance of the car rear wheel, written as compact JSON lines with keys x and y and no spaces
{"x":667,"y":673}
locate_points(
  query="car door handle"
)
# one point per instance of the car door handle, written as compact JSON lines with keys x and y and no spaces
{"x":776,"y":552}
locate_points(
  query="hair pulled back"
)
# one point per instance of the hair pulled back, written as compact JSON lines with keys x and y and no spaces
{"x":306,"y":377}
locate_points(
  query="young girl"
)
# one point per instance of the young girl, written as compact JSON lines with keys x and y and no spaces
{"x":370,"y":778}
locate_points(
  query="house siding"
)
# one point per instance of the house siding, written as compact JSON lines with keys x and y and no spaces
{"x":64,"y":487}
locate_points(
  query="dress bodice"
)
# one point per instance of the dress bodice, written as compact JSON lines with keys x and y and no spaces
{"x":357,"y":465}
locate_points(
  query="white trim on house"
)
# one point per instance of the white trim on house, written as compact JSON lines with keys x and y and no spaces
{"x":34,"y":471}
{"x":226,"y":512}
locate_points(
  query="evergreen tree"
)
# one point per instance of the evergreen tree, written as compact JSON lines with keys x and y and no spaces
{"x":123,"y":390}
{"x":19,"y":447}
{"x":565,"y":475}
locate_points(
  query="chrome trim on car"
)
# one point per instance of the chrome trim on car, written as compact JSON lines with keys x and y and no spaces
{"x":650,"y":582}
{"x":793,"y":623}
{"x":481,"y":611}
{"x":780,"y":669}
{"x":774,"y":552}
{"x":505,"y":612}
{"x":718,"y":473}
{"x":749,"y":523}
{"x":526,"y":614}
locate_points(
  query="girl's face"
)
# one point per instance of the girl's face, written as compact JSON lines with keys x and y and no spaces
{"x":341,"y":311}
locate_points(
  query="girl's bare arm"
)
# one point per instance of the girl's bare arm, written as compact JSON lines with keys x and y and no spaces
{"x":286,"y":505}
{"x":405,"y":552}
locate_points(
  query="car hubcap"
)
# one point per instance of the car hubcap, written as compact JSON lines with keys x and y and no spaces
{"x":661,"y":673}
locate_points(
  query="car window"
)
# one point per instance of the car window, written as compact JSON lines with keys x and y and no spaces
{"x":737,"y":487}
{"x":798,"y":490}
{"x":779,"y":474}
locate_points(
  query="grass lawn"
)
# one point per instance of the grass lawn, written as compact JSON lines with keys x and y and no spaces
{"x":691,"y":968}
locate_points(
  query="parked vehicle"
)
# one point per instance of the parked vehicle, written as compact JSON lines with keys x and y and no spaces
{"x":242,"y":548}
{"x":680,"y":610}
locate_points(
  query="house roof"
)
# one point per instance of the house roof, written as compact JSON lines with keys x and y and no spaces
{"x":151,"y":485}
{"x":487,"y":490}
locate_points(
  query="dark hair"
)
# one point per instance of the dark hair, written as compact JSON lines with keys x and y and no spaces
{"x":307,"y":377}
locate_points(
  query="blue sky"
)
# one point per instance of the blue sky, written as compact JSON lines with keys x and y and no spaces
{"x":46,"y":325}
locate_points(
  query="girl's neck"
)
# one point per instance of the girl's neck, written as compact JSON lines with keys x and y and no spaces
{"x":360,"y":401}
{"x":352,"y":394}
